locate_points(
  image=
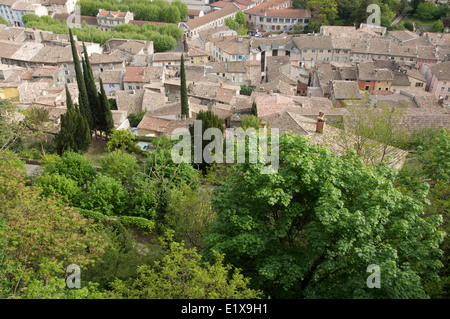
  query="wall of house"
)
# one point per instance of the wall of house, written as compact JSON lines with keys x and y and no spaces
{"x":440,"y":88}
{"x":10,"y":93}
{"x":363,"y":84}
{"x":382,"y":85}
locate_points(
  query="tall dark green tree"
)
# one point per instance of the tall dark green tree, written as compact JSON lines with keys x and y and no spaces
{"x":69,"y":102}
{"x":208,"y":120}
{"x":83,"y":99}
{"x":94,"y":101}
{"x":74,"y":133}
{"x":183,"y":90}
{"x":104,"y":114}
{"x":254,"y":110}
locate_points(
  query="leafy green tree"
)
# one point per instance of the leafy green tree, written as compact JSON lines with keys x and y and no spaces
{"x":199,"y":280}
{"x":36,"y":123}
{"x":160,"y":167}
{"x":10,"y":131}
{"x":312,"y":229}
{"x":182,"y":8}
{"x":135,"y":119}
{"x":231,"y":23}
{"x":39,"y":237}
{"x":438,"y":26}
{"x":71,"y":165}
{"x":3,"y":21}
{"x":170,"y":14}
{"x":426,"y":11}
{"x":246,"y":90}
{"x":326,"y":9}
{"x":240,"y":17}
{"x":299,"y":4}
{"x":428,"y":167}
{"x":190,"y":215}
{"x":119,"y":165}
{"x":121,"y":139}
{"x":121,"y":258}
{"x":242,"y":30}
{"x":143,"y":201}
{"x":251,"y":122}
{"x":68,"y":189}
{"x":183,"y":90}
{"x":106,"y":195}
{"x":372,"y":131}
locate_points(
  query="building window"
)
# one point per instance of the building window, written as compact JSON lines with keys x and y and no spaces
{"x":269,"y":20}
{"x":275,"y":20}
{"x":419,"y":84}
{"x":287,"y":20}
{"x":278,"y":27}
{"x":261,"y":19}
{"x":281,"y":20}
{"x":275,"y":53}
{"x":273,"y":27}
{"x":294,"y":21}
{"x":442,"y":89}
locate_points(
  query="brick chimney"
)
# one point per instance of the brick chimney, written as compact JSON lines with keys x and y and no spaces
{"x":320,"y":125}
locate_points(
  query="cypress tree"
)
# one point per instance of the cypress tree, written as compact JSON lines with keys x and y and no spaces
{"x":69,"y":102}
{"x":74,"y":134}
{"x":83,"y":99}
{"x":94,"y":101}
{"x":105,"y":115}
{"x":254,"y":110}
{"x":183,"y":90}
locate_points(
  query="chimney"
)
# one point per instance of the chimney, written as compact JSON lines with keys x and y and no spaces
{"x":320,"y":125}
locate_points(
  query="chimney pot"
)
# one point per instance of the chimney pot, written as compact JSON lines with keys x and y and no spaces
{"x":320,"y":125}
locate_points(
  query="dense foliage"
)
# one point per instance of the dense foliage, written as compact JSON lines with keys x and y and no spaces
{"x":164,"y":36}
{"x":148,"y":10}
{"x":312,"y":229}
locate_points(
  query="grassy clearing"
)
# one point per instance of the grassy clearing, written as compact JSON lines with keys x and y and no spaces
{"x":96,"y":151}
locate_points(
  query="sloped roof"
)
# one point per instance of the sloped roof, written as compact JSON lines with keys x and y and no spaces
{"x":212,"y":16}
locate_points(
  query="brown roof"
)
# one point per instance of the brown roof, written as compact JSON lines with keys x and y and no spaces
{"x":288,"y":13}
{"x":153,"y":123}
{"x":441,"y":70}
{"x":345,"y":90}
{"x":90,"y":20}
{"x":134,"y":74}
{"x":116,"y":14}
{"x":45,"y":71}
{"x":111,"y":76}
{"x":212,"y":16}
{"x":367,"y":71}
{"x":220,"y":4}
{"x":141,"y":23}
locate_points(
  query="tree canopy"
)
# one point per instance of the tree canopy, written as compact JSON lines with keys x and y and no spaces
{"x":312,"y":229}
